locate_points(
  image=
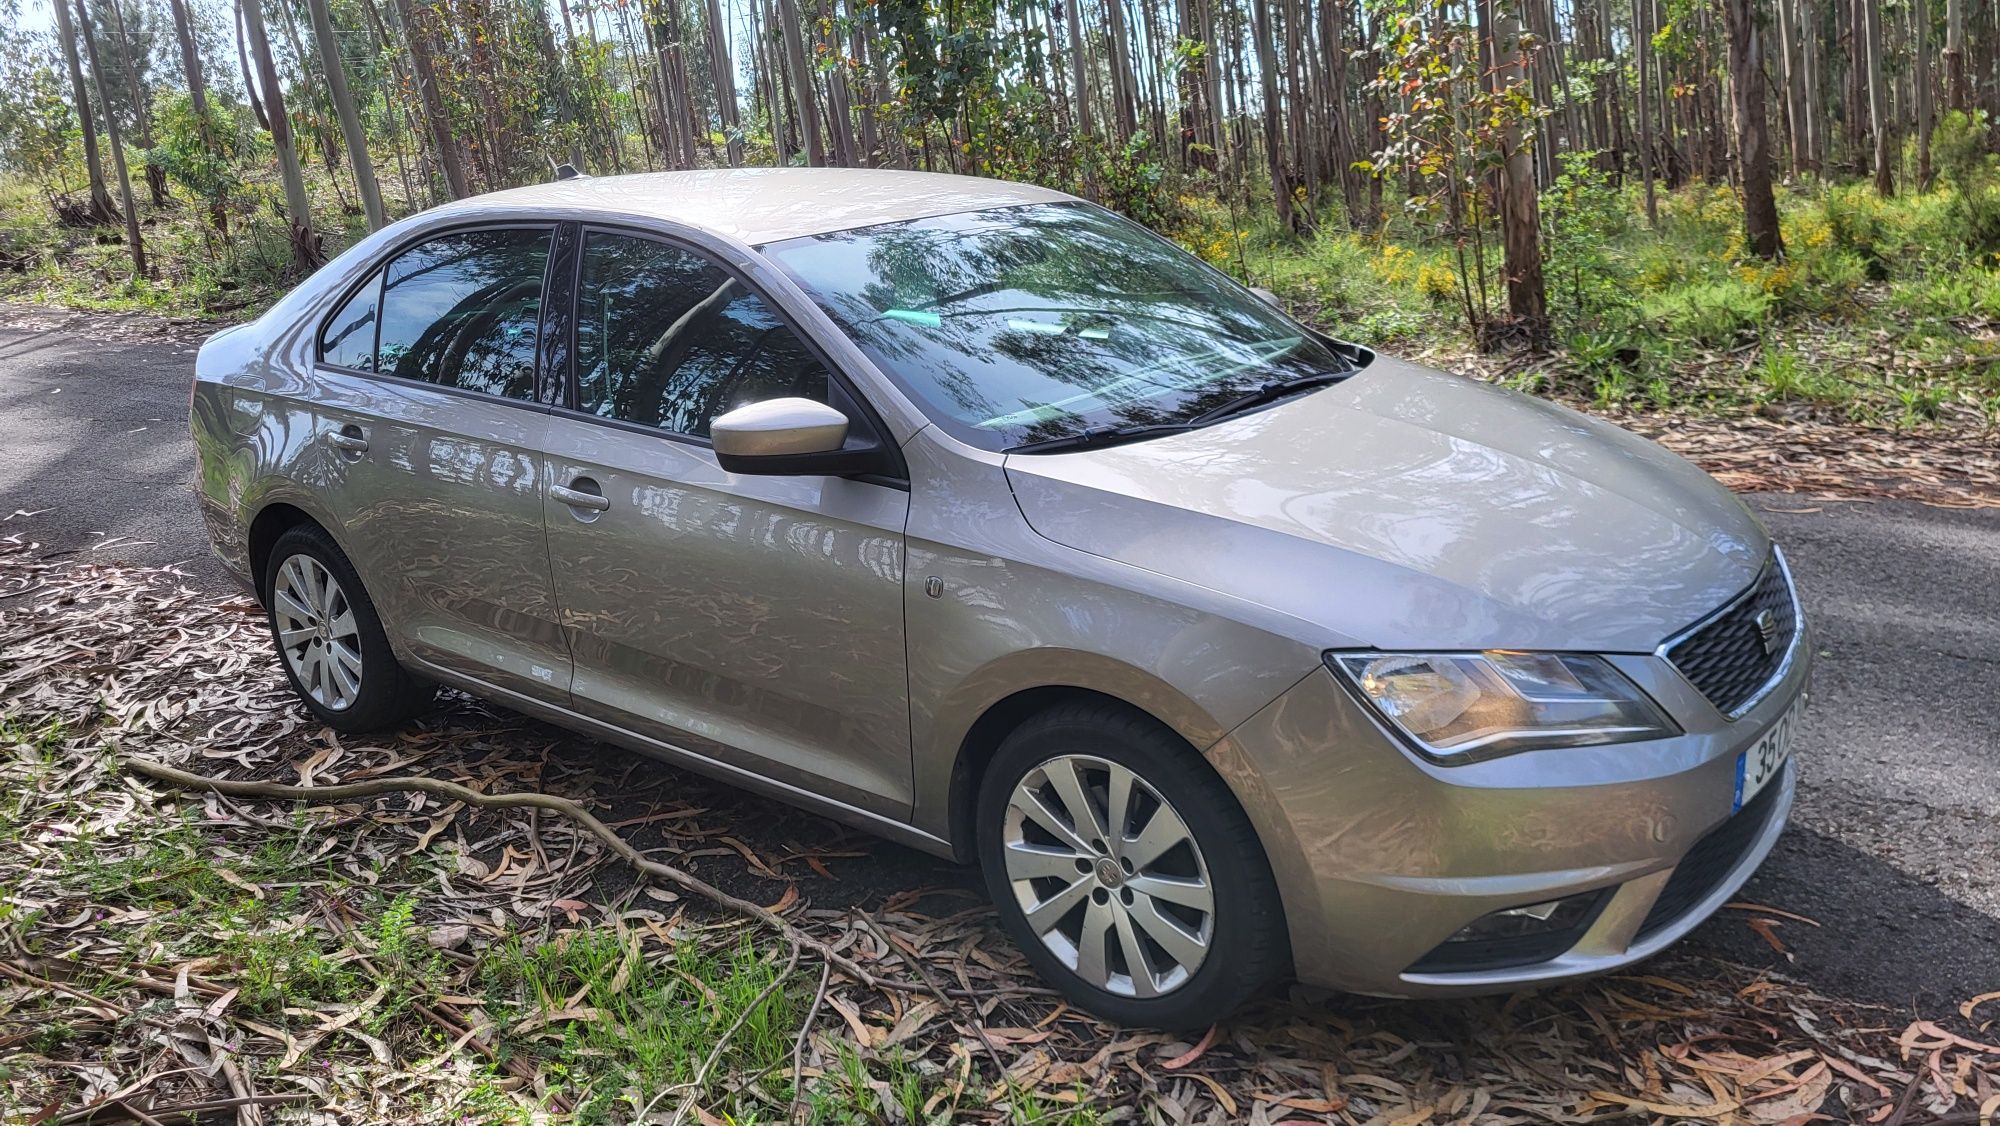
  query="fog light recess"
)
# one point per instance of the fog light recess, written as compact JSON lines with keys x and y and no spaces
{"x":1516,"y":936}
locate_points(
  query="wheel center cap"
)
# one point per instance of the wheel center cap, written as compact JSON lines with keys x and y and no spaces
{"x":1109,"y":873}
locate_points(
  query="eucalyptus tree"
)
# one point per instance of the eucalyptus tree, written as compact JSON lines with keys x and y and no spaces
{"x":351,"y":132}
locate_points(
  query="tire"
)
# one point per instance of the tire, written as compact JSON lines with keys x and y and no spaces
{"x":341,"y":665}
{"x":1236,"y":945}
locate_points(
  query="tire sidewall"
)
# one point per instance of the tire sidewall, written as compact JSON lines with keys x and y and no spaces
{"x":1237,"y":961}
{"x":383,"y":699}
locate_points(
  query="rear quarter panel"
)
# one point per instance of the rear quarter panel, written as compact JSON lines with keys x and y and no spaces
{"x":253,"y":429}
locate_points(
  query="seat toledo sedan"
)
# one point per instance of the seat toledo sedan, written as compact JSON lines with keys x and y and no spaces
{"x":973,"y":515}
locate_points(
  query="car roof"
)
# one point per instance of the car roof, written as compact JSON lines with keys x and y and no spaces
{"x":760,"y":205}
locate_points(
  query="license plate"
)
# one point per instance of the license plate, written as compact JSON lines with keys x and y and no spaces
{"x":1762,"y":762}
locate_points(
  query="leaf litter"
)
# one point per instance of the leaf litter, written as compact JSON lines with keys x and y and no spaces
{"x":123,"y":1004}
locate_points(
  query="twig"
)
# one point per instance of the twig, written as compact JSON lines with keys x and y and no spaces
{"x":799,"y":1045}
{"x":75,"y":1118}
{"x":44,"y":983}
{"x":138,"y":1115}
{"x":437,"y":787}
{"x":239,"y":1086}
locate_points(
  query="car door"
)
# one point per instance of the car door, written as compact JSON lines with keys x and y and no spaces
{"x":756,"y":620}
{"x":432,"y":424}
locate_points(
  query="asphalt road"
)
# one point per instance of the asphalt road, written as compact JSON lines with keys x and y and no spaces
{"x":1895,"y":846}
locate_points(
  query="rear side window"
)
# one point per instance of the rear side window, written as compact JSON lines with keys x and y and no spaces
{"x":464,"y":311}
{"x":666,"y":338}
{"x":348,"y":339}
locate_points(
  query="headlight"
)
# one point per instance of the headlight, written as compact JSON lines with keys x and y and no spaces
{"x":1460,"y":707}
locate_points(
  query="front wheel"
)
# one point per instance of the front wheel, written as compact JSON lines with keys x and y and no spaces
{"x":1126,"y":871}
{"x":330,"y":640}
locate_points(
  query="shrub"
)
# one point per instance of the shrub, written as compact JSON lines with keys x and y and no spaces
{"x":1958,"y":149}
{"x":1717,"y":314}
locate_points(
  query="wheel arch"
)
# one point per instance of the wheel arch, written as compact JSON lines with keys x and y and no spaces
{"x":1000,"y":711}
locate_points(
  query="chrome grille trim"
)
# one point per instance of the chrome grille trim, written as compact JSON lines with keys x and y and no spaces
{"x":1727,"y":614}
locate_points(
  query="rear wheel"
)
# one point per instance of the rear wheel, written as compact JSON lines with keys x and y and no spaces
{"x":1125,"y":870}
{"x":329,"y":639}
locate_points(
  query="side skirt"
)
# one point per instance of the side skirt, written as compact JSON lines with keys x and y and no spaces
{"x":885,"y":827}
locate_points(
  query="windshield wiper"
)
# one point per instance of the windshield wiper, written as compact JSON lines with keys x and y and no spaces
{"x":1267,"y":393}
{"x":1099,"y":436}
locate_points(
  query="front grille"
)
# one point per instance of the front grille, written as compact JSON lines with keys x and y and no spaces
{"x":1734,"y":654}
{"x":1711,"y":860}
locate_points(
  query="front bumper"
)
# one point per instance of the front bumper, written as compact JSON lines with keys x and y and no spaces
{"x":1381,"y":857}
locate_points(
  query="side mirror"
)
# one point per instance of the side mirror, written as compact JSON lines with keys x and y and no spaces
{"x":1266,"y":296}
{"x":790,"y":437}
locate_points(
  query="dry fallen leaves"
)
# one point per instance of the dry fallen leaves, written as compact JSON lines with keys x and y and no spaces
{"x":137,"y":660}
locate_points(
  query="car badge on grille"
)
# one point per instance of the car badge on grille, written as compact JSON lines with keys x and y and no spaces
{"x":1767,"y":631}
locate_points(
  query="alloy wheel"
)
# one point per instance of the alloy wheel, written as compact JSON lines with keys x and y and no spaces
{"x":1109,"y":876}
{"x":317,"y":632}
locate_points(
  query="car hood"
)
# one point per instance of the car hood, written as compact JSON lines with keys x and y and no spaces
{"x":1409,"y":508}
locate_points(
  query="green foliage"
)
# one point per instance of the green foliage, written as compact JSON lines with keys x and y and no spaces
{"x":1447,"y":126}
{"x":1717,"y":314}
{"x":35,"y":119}
{"x":1131,"y":180}
{"x":1959,"y":151}
{"x":1586,"y":220}
{"x":203,"y":157}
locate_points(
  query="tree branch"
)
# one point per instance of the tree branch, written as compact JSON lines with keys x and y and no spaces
{"x":665,"y":873}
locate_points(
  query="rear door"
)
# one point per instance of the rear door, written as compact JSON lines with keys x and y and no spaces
{"x":429,"y":412}
{"x":751,"y":619}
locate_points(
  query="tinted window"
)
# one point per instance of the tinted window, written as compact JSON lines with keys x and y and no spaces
{"x":666,"y":338}
{"x":348,"y":339}
{"x":462,"y":311}
{"x":1026,"y":323}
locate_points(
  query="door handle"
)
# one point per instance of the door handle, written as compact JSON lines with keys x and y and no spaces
{"x":349,"y":438}
{"x":577,"y":498}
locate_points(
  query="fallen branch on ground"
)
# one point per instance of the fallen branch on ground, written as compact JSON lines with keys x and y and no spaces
{"x":437,"y":787}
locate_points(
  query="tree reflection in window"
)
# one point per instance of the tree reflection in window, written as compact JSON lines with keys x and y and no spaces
{"x":1023,"y":323}
{"x":463,"y":311}
{"x":666,"y":338}
{"x":348,"y":338}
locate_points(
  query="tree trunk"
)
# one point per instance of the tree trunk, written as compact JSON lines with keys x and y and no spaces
{"x":101,"y":208}
{"x":1520,"y":213}
{"x":723,"y":74}
{"x":133,"y":242}
{"x":142,"y":113}
{"x":218,"y":210}
{"x":802,"y":83}
{"x":1122,"y":80}
{"x":1274,"y":140}
{"x":1753,"y":136}
{"x":427,"y":91}
{"x":1920,"y":22}
{"x":1957,"y":91}
{"x":350,"y":121}
{"x":1078,"y":76}
{"x":1880,"y":121}
{"x":1794,"y":86}
{"x":1642,"y":38}
{"x":305,"y":241}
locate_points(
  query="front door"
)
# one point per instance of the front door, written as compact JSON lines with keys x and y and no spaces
{"x":754,"y":620}
{"x":431,"y":431}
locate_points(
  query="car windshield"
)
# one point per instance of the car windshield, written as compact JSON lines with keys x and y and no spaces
{"x":1026,"y":324}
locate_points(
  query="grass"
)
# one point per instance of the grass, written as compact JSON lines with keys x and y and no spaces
{"x":616,"y":1023}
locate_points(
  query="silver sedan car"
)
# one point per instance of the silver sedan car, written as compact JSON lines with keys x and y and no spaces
{"x":976,"y":516}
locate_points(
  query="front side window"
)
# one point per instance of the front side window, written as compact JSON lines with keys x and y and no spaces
{"x":464,"y":311}
{"x":1024,"y":324}
{"x":666,"y":338}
